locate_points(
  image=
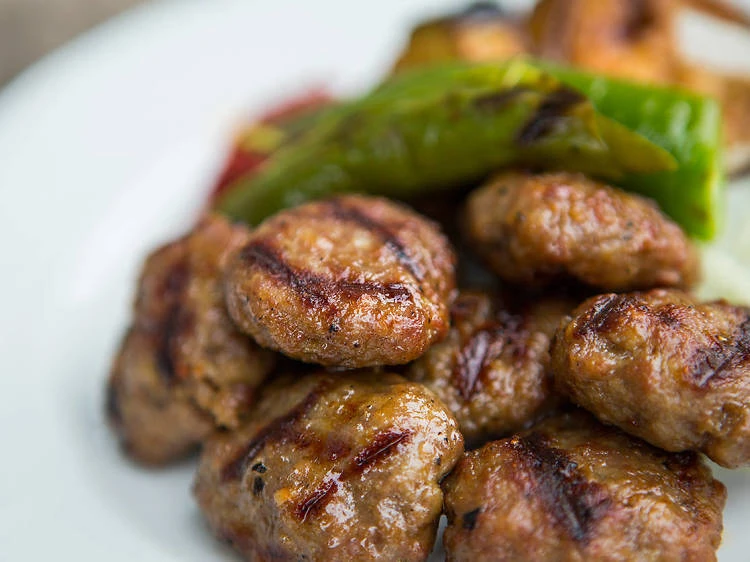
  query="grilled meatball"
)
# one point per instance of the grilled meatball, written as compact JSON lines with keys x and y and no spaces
{"x":347,"y":282}
{"x":541,"y":229}
{"x":183,"y":367}
{"x":571,"y":490}
{"x":664,"y":367}
{"x":334,"y":468}
{"x":492,"y":368}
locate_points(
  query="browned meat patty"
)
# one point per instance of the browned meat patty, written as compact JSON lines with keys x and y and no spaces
{"x":332,"y":467}
{"x":572,"y":490}
{"x":348,"y":282}
{"x":183,"y":367}
{"x":664,"y":367}
{"x":541,"y":229}
{"x":492,"y":368}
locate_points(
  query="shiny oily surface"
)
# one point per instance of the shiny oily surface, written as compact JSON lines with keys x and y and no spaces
{"x":123,"y":181}
{"x":663,"y":366}
{"x":346,"y":282}
{"x":492,"y":370}
{"x":183,"y":368}
{"x":571,"y":490}
{"x":332,"y":467}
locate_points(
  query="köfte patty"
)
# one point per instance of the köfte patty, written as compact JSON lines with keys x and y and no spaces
{"x":663,"y":366}
{"x":573,"y":490}
{"x":183,"y":368}
{"x":546,"y":228}
{"x":332,"y":467}
{"x":492,"y":370}
{"x":347,"y":282}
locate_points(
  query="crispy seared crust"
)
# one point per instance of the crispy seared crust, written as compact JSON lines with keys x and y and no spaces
{"x":332,"y":467}
{"x":346,"y":282}
{"x":183,"y":367}
{"x":492,"y":368}
{"x":664,"y":367}
{"x":571,"y":490}
{"x":546,"y":228}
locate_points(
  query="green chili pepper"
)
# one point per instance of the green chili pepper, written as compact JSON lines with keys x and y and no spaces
{"x":434,"y":129}
{"x":687,"y":125}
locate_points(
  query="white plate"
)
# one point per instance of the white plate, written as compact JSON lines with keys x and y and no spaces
{"x":106,"y":148}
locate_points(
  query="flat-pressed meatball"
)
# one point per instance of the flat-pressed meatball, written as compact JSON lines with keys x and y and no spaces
{"x":540,"y":229}
{"x":183,"y":367}
{"x":332,"y":467}
{"x":347,"y":282}
{"x":572,"y":490}
{"x":492,"y":368}
{"x":664,"y":367}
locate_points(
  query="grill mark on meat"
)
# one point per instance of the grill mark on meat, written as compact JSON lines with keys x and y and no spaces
{"x":469,"y":519}
{"x":485,"y":345}
{"x":382,"y":445}
{"x":497,"y":101}
{"x":671,"y":314}
{"x":167,"y":349}
{"x":316,"y":290}
{"x":315,"y":502}
{"x":281,"y":428}
{"x":379,"y":449}
{"x":575,"y":503}
{"x":470,"y":361}
{"x":549,"y":113}
{"x":599,"y":316}
{"x":172,"y":292}
{"x":717,"y":362}
{"x":351,"y":214}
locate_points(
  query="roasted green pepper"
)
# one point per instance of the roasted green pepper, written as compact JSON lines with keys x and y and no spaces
{"x":437,"y":128}
{"x":688,"y":125}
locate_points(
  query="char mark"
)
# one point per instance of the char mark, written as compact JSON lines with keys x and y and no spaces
{"x":382,"y":446}
{"x":316,"y":290}
{"x":281,"y":428}
{"x":575,"y":503}
{"x":498,"y":101}
{"x":469,"y":519}
{"x":315,"y":502}
{"x":548,"y":115}
{"x":671,"y":314}
{"x":719,"y":361}
{"x":600,"y":315}
{"x":470,"y":362}
{"x":258,"y":485}
{"x":168,"y":330}
{"x":167,"y":344}
{"x":507,"y":333}
{"x":383,"y":232}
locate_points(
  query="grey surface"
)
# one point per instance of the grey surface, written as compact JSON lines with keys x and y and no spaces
{"x":30,"y":28}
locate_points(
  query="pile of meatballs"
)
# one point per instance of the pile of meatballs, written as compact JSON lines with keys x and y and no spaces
{"x":347,"y":382}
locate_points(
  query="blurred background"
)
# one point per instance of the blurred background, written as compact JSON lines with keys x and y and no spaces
{"x":31,"y":28}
